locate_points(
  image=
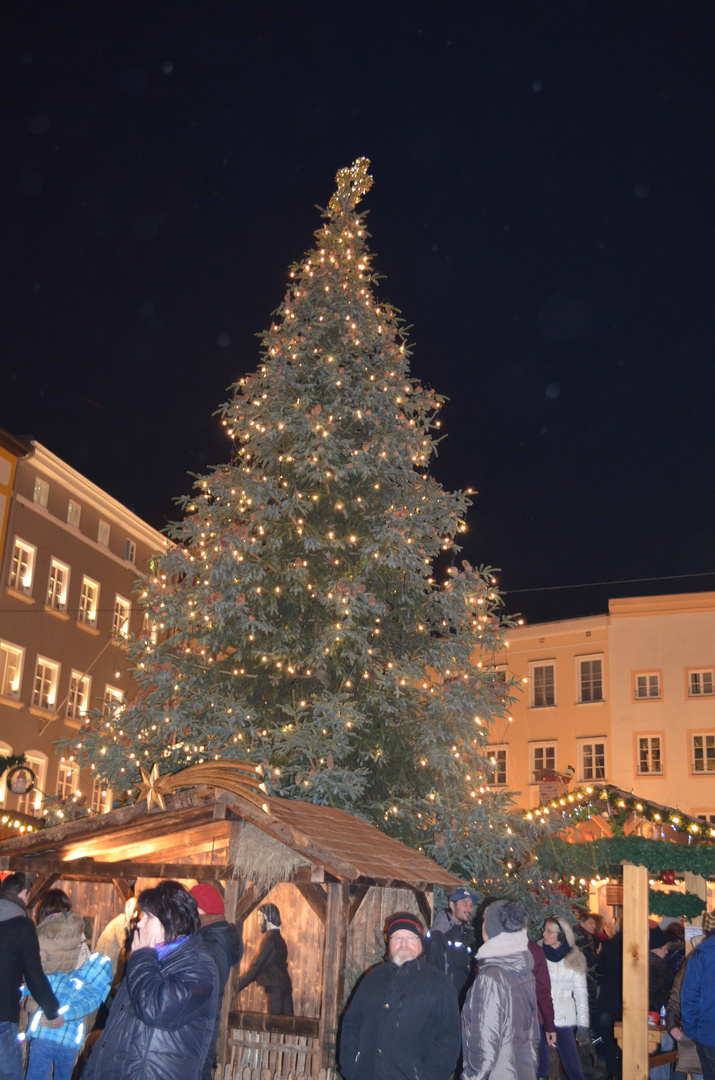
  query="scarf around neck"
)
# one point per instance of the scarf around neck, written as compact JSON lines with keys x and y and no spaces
{"x":558,"y":954}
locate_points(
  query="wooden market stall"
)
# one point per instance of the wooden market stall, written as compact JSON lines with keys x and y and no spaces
{"x":606,"y":827}
{"x":335,"y":879}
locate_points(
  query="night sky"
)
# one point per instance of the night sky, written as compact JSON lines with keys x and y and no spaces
{"x":542,"y":210}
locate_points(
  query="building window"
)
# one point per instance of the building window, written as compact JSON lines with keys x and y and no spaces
{"x":41,"y":494}
{"x":22,"y":567}
{"x":703,"y":754}
{"x":74,"y":511}
{"x":647,"y":685}
{"x":103,"y":533}
{"x":543,"y":761}
{"x":113,"y":698}
{"x":707,"y":816}
{"x":542,"y":685}
{"x":592,"y":759}
{"x":89,"y":602}
{"x":6,"y":751}
{"x":67,"y":780}
{"x":78,"y":696}
{"x":496,"y":770}
{"x":650,"y":755}
{"x":101,"y":796}
{"x":130,"y":551}
{"x":700,"y":683}
{"x":11,"y":658}
{"x":47,"y":674}
{"x":30,"y":803}
{"x":120,"y":622}
{"x":58,"y":585}
{"x":149,"y":629}
{"x":590,"y":679}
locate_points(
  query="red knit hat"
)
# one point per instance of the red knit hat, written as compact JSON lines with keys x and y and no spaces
{"x":208,"y":899}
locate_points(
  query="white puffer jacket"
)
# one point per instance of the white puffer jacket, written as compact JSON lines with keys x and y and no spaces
{"x":569,"y":991}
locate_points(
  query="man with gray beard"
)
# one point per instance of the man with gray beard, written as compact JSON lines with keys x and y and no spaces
{"x":402,"y":1022}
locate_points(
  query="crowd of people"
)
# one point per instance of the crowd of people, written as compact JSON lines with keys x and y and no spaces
{"x":473,"y":997}
{"x":528,"y":1010}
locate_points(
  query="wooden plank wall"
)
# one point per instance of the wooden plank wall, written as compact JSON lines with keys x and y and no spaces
{"x":366,"y":943}
{"x":261,"y":1056}
{"x":304,"y":935}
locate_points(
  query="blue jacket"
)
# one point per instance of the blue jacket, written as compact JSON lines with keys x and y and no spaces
{"x":697,"y":994}
{"x":79,"y":993}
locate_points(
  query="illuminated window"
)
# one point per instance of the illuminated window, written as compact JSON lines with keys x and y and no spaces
{"x":542,"y":681}
{"x":703,"y":754}
{"x":590,"y":679}
{"x":113,"y":699}
{"x":22,"y":567}
{"x":543,"y":760}
{"x":120,"y":621}
{"x":647,"y":685}
{"x":78,"y":696}
{"x":74,"y":511}
{"x":41,"y":493}
{"x":89,"y":602}
{"x":6,"y":751}
{"x":650,"y":755}
{"x":32,"y":801}
{"x":58,"y":585}
{"x":47,"y":675}
{"x":103,"y":533}
{"x":130,"y":551}
{"x":496,"y":772}
{"x":592,"y":759}
{"x":149,"y":628}
{"x":11,"y":658}
{"x":700,"y":683}
{"x":101,"y":797}
{"x":67,"y":780}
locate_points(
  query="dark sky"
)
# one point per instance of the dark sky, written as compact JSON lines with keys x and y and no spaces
{"x":542,"y":208}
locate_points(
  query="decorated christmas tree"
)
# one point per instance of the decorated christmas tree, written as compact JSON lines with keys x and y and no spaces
{"x":298,"y":621}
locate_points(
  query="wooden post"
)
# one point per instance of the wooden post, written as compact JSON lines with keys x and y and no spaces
{"x":230,"y":903}
{"x":635,"y":972}
{"x":336,"y":941}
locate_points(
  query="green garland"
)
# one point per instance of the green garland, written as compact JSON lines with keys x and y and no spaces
{"x":675,"y":905}
{"x":10,"y":762}
{"x":604,"y":857}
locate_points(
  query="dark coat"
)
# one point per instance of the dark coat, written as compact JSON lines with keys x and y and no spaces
{"x":544,"y":1004}
{"x":697,"y":994}
{"x":161,"y":1021}
{"x":401,"y":1024}
{"x":222,"y":941}
{"x":609,"y":975}
{"x":449,"y":948}
{"x":20,"y":962}
{"x":270,"y":967}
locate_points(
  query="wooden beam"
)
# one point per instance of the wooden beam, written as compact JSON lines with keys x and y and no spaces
{"x":425,"y":902}
{"x":316,"y":898}
{"x":336,"y":941}
{"x":357,"y":895}
{"x":307,"y":1026}
{"x":88,"y":869}
{"x":40,"y":887}
{"x":123,"y":887}
{"x":249,"y":902}
{"x":230,"y":903}
{"x":635,"y":972}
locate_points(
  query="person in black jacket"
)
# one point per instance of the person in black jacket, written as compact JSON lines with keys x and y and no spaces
{"x":402,"y":1022}
{"x":222,"y":941}
{"x":162,"y":1019}
{"x":270,"y":967}
{"x":19,"y":961}
{"x":450,"y":940}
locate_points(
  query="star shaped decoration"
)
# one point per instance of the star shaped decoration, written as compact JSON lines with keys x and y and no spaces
{"x":352,"y":184}
{"x":153,"y":788}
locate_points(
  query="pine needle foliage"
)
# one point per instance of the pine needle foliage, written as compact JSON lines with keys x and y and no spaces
{"x":299,"y":622}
